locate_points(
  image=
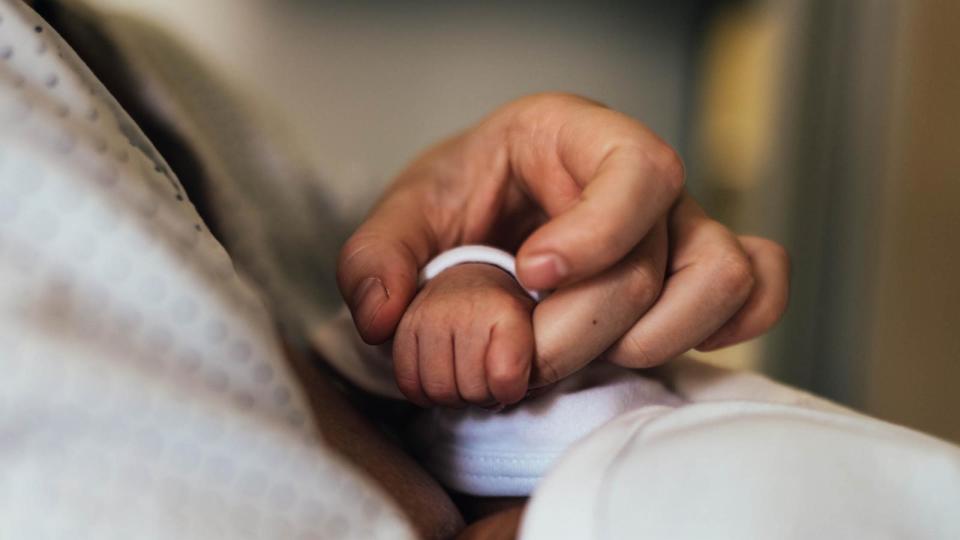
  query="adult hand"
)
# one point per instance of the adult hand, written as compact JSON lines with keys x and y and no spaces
{"x":593,"y":203}
{"x":716,"y":289}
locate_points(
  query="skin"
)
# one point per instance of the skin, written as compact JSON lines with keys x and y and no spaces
{"x":503,"y":525}
{"x":647,"y":274}
{"x":593,"y":204}
{"x":467,"y":338}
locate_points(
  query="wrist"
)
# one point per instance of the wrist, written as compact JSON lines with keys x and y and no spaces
{"x":474,"y":254}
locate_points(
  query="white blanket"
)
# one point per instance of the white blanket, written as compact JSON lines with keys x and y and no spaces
{"x":748,"y":458}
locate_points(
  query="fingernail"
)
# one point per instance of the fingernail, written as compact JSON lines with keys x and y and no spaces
{"x":368,"y":299}
{"x":543,"y":271}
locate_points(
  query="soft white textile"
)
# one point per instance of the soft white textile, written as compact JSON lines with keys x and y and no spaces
{"x":506,"y":453}
{"x":144,"y":394}
{"x":748,"y":458}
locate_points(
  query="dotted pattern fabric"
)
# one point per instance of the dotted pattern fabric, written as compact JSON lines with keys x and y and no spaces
{"x":268,"y":204}
{"x":143,"y":393}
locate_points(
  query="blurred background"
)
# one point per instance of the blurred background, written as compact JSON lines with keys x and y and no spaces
{"x":832,"y":127}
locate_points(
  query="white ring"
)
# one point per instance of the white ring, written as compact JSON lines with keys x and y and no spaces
{"x":474,"y":254}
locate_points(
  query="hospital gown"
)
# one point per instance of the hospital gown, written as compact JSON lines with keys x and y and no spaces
{"x":143,"y":392}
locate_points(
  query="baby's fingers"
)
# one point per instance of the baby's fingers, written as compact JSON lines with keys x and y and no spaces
{"x":471,"y":375}
{"x":436,"y":368}
{"x":405,"y":369}
{"x":508,"y":359}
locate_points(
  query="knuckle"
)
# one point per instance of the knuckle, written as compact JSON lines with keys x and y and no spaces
{"x":513,"y":310}
{"x":766,"y":319}
{"x":494,"y":301}
{"x":644,"y":282}
{"x":771,"y":248}
{"x":554,"y":98}
{"x":343,"y":258}
{"x":534,"y":109}
{"x":733,"y":276}
{"x":780,"y":253}
{"x":669,"y":164}
{"x":634,"y":353}
{"x":545,"y":368}
{"x":355,"y":244}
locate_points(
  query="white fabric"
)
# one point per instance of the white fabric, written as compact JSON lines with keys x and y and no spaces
{"x":506,"y":453}
{"x":473,"y":254}
{"x":144,"y":394}
{"x":274,"y":214}
{"x":762,"y":462}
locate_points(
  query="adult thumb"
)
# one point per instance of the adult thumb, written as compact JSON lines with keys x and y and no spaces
{"x":378,"y":266}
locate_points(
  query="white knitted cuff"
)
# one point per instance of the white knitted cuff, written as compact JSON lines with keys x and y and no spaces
{"x":474,"y":254}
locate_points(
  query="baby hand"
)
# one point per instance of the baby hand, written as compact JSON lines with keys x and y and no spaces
{"x":466,"y":338}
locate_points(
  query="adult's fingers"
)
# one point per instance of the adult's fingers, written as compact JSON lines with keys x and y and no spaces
{"x":378,"y":266}
{"x":768,"y":299}
{"x":574,"y":325}
{"x":603,"y":179}
{"x":709,"y":280}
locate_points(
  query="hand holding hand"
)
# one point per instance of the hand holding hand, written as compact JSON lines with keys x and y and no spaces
{"x":593,"y":203}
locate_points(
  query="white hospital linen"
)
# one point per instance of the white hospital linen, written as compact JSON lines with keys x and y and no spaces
{"x":506,"y":453}
{"x":748,"y":458}
{"x":143,"y":392}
